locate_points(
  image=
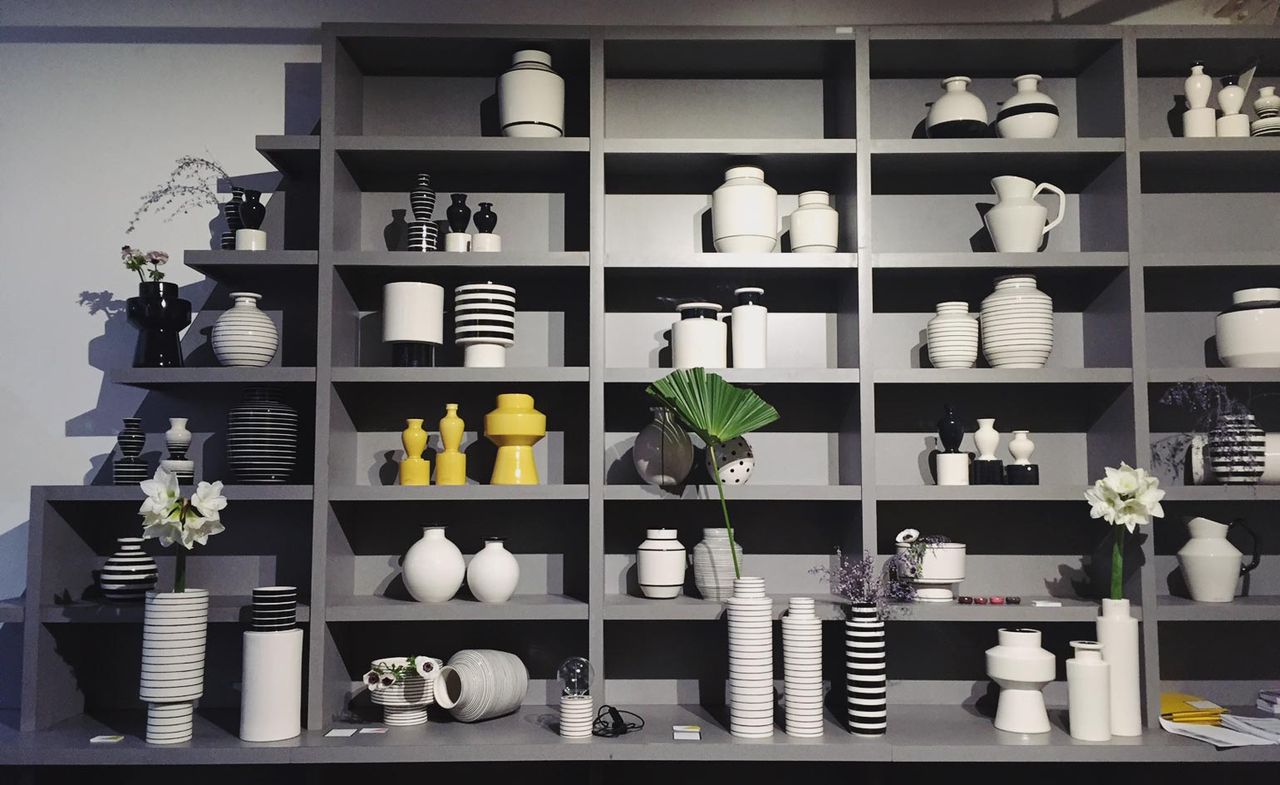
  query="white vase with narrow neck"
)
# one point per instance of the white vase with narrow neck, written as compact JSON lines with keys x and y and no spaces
{"x":493,"y":573}
{"x":1089,"y":692}
{"x":244,"y":336}
{"x":1197,"y":87}
{"x":1118,"y":634}
{"x":815,"y":225}
{"x":177,"y":438}
{"x":1211,"y":565}
{"x":1022,"y":669}
{"x":1017,"y":222}
{"x":433,"y":568}
{"x":1267,"y":104}
{"x":1021,"y":447}
{"x":1028,"y":113}
{"x":744,"y":212}
{"x":987,"y":439}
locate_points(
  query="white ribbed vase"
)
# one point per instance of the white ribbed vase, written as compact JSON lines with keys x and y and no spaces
{"x":713,"y":565}
{"x":1017,"y":324}
{"x":244,"y":336}
{"x":953,"y":336}
{"x":750,"y":616}
{"x":802,"y":669}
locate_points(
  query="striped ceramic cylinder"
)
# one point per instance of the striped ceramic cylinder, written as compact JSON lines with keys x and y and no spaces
{"x":174,"y":630}
{"x":802,"y":668}
{"x":864,"y":662}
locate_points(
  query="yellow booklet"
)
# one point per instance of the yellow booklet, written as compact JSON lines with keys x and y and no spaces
{"x":1192,"y":709}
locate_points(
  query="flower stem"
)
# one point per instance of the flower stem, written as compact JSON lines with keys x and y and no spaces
{"x":1117,"y":564}
{"x":180,"y":571}
{"x":724,"y":508}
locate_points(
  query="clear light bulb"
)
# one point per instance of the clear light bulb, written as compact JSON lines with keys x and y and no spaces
{"x":576,"y":675}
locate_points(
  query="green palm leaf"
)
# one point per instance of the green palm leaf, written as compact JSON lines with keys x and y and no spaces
{"x":711,"y":407}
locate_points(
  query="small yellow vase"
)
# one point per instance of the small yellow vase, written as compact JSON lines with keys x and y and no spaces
{"x":515,"y":426}
{"x":451,"y":464}
{"x":414,"y":469}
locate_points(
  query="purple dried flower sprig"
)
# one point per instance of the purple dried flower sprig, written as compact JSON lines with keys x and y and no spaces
{"x":857,"y":579}
{"x":191,"y":185}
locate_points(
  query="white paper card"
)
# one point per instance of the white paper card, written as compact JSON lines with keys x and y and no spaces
{"x":341,"y":733}
{"x":1218,"y":737}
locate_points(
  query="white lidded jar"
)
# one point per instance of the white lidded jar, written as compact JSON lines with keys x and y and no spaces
{"x":493,"y":573}
{"x":413,"y":321}
{"x":244,"y":336}
{"x":699,"y":339}
{"x":1028,"y":113}
{"x":1248,"y":335}
{"x":433,"y":568}
{"x":1089,"y":692}
{"x":815,"y":225}
{"x":660,"y":565}
{"x":744,"y":212}
{"x":749,"y":323}
{"x":531,"y":97}
{"x":957,"y":113}
{"x":953,"y":336}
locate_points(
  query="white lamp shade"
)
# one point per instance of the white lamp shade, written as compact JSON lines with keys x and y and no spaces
{"x":413,"y":312}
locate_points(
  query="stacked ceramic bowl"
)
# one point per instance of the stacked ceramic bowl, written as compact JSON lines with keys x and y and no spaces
{"x":577,"y":715}
{"x":802,"y":668}
{"x":275,"y":608}
{"x":262,"y":438}
{"x":404,"y":701}
{"x":713,"y":565}
{"x":1017,"y":324}
{"x":480,"y":684}
{"x":484,"y":323}
{"x":750,"y":660}
{"x":953,"y":336}
{"x":423,"y":236}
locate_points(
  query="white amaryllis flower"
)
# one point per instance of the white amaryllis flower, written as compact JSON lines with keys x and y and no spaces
{"x":1126,"y":497}
{"x":167,"y":517}
{"x":208,"y":500}
{"x":162,"y":497}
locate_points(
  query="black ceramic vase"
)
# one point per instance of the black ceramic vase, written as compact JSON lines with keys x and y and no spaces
{"x":486,"y":219}
{"x":252,"y":211}
{"x":231,"y":209}
{"x":950,"y":430}
{"x":159,"y":314}
{"x":458,"y":213}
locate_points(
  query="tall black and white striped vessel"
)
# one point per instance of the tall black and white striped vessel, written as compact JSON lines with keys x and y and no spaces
{"x":1237,"y":450}
{"x":865,"y":667}
{"x":130,"y":468}
{"x":484,"y":323}
{"x":422,"y":198}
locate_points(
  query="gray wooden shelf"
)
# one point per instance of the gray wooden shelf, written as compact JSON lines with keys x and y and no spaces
{"x":1003,"y":376}
{"x":513,"y":375}
{"x":521,"y":607}
{"x":11,"y":611}
{"x":518,"y":259}
{"x":463,"y":163}
{"x":1210,"y":260}
{"x":1256,"y":608}
{"x":131,"y":493}
{"x":1224,"y":375}
{"x":163,"y":377}
{"x":222,"y":609}
{"x":621,"y":607}
{"x":1194,"y":147}
{"x":1222,"y":493}
{"x":672,"y":264}
{"x":1002,"y":261}
{"x":742,"y":493}
{"x":1062,"y":147}
{"x":217,"y":263}
{"x":979,"y":493}
{"x":396,"y":493}
{"x":722,"y":148}
{"x":748,"y":376}
{"x":294,"y":155}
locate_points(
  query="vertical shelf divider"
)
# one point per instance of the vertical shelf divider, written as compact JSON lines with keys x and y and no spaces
{"x":595,"y":379}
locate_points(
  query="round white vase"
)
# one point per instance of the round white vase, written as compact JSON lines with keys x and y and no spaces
{"x":244,"y":336}
{"x":531,"y":97}
{"x":433,"y":567}
{"x":660,"y":565}
{"x":1017,"y":324}
{"x":815,"y":225}
{"x":699,"y":339}
{"x":663,"y":452}
{"x":957,"y":113}
{"x":735,"y":460}
{"x":744,"y":212}
{"x":713,"y":573}
{"x":1028,"y":113}
{"x":1248,"y":335}
{"x":1022,"y":669}
{"x":1089,"y":692}
{"x":1118,"y":634}
{"x":1211,"y":565}
{"x":493,"y":573}
{"x":1021,"y":447}
{"x":953,"y":336}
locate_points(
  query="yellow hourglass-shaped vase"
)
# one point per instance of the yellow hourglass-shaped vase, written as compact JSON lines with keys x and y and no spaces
{"x":414,"y":469}
{"x":451,"y":463}
{"x":515,"y":426}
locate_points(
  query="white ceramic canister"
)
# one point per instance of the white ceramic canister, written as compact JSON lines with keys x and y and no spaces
{"x":941,"y":571}
{"x":1017,"y":324}
{"x":1267,"y":104}
{"x":493,"y":573}
{"x":744,"y":212}
{"x":660,"y":565}
{"x":815,"y":225}
{"x":433,"y":567}
{"x":953,"y":336}
{"x":1211,"y":565}
{"x":531,"y":97}
{"x":749,"y":323}
{"x":1248,"y":335}
{"x":1017,"y":221}
{"x":699,"y":339}
{"x":957,"y":113}
{"x":244,"y":336}
{"x":1089,"y":692}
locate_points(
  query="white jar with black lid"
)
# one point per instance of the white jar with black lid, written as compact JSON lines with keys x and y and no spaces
{"x":699,"y":339}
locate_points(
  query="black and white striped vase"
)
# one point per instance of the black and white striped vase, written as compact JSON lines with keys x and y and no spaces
{"x":174,"y":632}
{"x":422,"y":199}
{"x":423,"y":236}
{"x":130,"y":468}
{"x":262,"y":438}
{"x":231,"y":209}
{"x":129,"y":573}
{"x":178,"y":440}
{"x":275,"y":608}
{"x":484,"y":323}
{"x":865,"y":666}
{"x":1237,"y":450}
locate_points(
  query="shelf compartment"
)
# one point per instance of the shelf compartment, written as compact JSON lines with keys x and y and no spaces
{"x":1000,"y":522}
{"x":508,"y":375}
{"x":294,"y":155}
{"x":456,"y":493}
{"x":223,"y":609}
{"x":511,"y":262}
{"x":151,"y":378}
{"x":521,"y":607}
{"x":933,"y":494}
{"x":131,"y":493}
{"x":750,"y":377}
{"x":1264,"y":608}
{"x":236,"y":266}
{"x":966,"y":166}
{"x":1220,"y":375}
{"x":1239,"y":652}
{"x":742,"y":493}
{"x":790,"y":167}
{"x":1235,"y":166}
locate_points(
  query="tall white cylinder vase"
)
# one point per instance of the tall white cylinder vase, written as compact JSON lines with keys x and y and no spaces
{"x":865,"y":671}
{"x":531,"y":96}
{"x":413,"y":322}
{"x":750,"y":660}
{"x":271,"y":691}
{"x":1118,"y":634}
{"x":174,"y":631}
{"x":484,"y":323}
{"x":802,"y":669}
{"x":1089,"y":692}
{"x":749,"y":322}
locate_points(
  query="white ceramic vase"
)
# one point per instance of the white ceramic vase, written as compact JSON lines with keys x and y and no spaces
{"x":1197,"y":87}
{"x":1267,"y":104}
{"x":735,"y":461}
{"x":1022,"y":669}
{"x":1211,"y":565}
{"x":1089,"y":692}
{"x":1118,"y":634}
{"x":1028,"y":113}
{"x":953,"y":336}
{"x":577,"y":715}
{"x":1017,"y":324}
{"x":1021,"y":447}
{"x":987,"y":439}
{"x":663,"y":452}
{"x":174,"y":632}
{"x":713,"y":573}
{"x":271,"y":685}
{"x":941,"y":571}
{"x":1248,"y":335}
{"x":699,"y":339}
{"x":244,"y":336}
{"x":1016,"y":222}
{"x":865,"y":671}
{"x":749,"y":322}
{"x":744,"y":212}
{"x":957,"y":113}
{"x":531,"y":97}
{"x":412,"y":321}
{"x":493,"y":573}
{"x":480,"y":684}
{"x":815,"y":225}
{"x":660,"y":565}
{"x":802,"y":688}
{"x":433,"y":567}
{"x":404,"y":703}
{"x":750,"y":615}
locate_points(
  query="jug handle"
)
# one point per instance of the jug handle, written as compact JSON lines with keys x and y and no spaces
{"x":1062,"y":204}
{"x":1257,"y":552}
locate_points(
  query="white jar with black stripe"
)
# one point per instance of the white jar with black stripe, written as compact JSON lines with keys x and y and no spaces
{"x":531,"y":97}
{"x":1237,"y":450}
{"x":865,"y":671}
{"x":484,"y":323}
{"x":660,"y":564}
{"x":1028,"y":113}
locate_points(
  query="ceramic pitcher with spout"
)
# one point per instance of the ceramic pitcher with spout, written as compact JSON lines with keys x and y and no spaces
{"x":1211,"y":565}
{"x":1017,"y":222}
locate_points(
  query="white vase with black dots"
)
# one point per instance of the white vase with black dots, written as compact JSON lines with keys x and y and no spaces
{"x":735,"y":460}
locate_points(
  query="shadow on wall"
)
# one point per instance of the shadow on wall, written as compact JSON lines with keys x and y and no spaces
{"x":13,"y":559}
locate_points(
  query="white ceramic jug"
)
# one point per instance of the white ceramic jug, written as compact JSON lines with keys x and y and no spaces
{"x":1211,"y":565}
{"x":1017,"y":222}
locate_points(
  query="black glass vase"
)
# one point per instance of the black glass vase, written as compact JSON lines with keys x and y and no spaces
{"x":159,"y":314}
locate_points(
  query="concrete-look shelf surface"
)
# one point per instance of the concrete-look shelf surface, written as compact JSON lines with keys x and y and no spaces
{"x":1003,"y":376}
{"x":747,"y":376}
{"x":622,"y":607}
{"x":222,"y":609}
{"x":397,"y":493}
{"x":1223,"y":375}
{"x":212,"y":262}
{"x":672,"y":264}
{"x":383,"y":375}
{"x":1259,"y":608}
{"x":979,"y":493}
{"x":294,"y":155}
{"x":740,"y":493}
{"x":131,"y":493}
{"x":440,"y":259}
{"x":521,"y":607}
{"x":1002,"y":261}
{"x":161,"y":377}
{"x":1222,"y":493}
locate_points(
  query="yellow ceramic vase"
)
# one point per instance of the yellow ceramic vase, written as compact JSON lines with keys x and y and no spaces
{"x":515,"y":426}
{"x":414,"y":469}
{"x":451,"y":464}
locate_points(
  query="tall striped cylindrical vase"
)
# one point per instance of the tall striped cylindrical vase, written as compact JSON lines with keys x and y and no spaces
{"x":174,"y":631}
{"x":865,"y":666}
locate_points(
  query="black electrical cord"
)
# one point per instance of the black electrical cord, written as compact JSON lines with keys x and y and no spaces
{"x":610,"y":724}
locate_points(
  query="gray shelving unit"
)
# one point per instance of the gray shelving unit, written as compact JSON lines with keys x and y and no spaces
{"x":602,"y":230}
